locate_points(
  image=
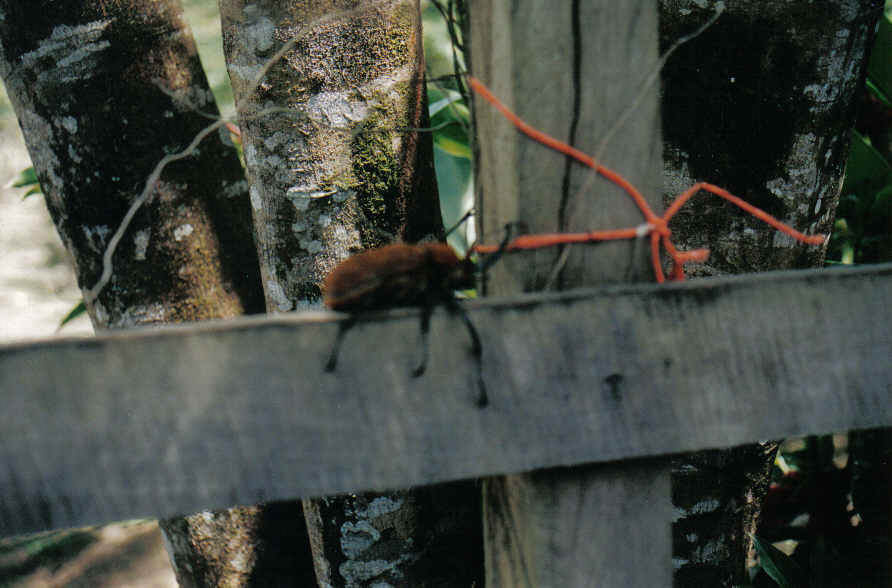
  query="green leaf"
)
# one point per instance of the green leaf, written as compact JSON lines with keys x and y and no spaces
{"x":455,"y":182}
{"x":876,"y":91}
{"x":777,"y":564}
{"x":865,"y":165}
{"x":79,"y":309}
{"x":32,"y":190}
{"x":446,"y":106}
{"x":879,"y":70}
{"x":444,"y":99}
{"x":453,"y":140}
{"x":451,"y":110}
{"x":27,"y":177}
{"x":881,"y":209}
{"x":451,"y":117}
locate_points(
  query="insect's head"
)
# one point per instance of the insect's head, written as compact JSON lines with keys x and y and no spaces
{"x":463,"y":275}
{"x":465,"y":272}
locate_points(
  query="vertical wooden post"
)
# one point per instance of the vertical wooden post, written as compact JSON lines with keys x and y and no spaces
{"x":571,"y":69}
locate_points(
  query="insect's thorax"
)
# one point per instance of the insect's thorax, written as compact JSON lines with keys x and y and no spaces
{"x":462,"y":275}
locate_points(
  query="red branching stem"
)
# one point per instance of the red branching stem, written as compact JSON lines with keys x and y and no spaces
{"x":562,"y":147}
{"x":657,"y":227}
{"x":540,"y":240}
{"x":740,"y":203}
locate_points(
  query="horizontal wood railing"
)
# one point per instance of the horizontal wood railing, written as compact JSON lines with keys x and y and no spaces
{"x":156,"y":422}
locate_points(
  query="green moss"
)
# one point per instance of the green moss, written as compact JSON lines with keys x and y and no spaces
{"x":376,"y":170}
{"x":375,"y":166}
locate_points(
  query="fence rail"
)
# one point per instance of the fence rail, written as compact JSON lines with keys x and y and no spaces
{"x":179,"y":419}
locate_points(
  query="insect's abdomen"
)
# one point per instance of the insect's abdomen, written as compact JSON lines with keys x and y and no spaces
{"x":394,"y":275}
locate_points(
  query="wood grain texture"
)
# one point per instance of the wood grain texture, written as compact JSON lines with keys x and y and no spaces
{"x":178,"y":419}
{"x":544,"y":539}
{"x":573,"y":70}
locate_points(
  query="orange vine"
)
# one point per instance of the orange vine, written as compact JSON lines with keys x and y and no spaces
{"x":656,"y":227}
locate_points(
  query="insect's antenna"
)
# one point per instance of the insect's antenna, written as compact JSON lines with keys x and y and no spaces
{"x":503,"y":246}
{"x":460,"y":222}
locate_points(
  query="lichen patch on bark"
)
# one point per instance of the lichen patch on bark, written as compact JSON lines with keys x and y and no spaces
{"x":770,"y":124}
{"x":331,"y":169}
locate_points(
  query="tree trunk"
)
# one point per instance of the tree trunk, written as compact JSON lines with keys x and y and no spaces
{"x":102,"y":92}
{"x":333,"y":171}
{"x":263,"y":545}
{"x":761,"y":103}
{"x":427,"y":536}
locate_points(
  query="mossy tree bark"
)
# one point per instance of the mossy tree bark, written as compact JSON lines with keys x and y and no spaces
{"x":761,"y":103}
{"x":103,"y":91}
{"x":334,"y":169}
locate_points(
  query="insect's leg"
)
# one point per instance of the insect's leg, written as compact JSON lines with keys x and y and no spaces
{"x":343,"y":327}
{"x":476,"y":348}
{"x":426,"y":312}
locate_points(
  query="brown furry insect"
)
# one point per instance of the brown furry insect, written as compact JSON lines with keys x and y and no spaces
{"x":397,"y":275}
{"x":423,"y":275}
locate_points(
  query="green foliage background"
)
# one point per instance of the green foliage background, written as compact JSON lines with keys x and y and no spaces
{"x":863,"y":229}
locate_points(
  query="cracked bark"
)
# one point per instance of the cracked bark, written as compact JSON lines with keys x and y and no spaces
{"x":762,"y":104}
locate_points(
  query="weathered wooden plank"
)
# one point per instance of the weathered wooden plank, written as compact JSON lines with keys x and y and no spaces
{"x":121,"y":425}
{"x":534,"y":542}
{"x":571,"y":69}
